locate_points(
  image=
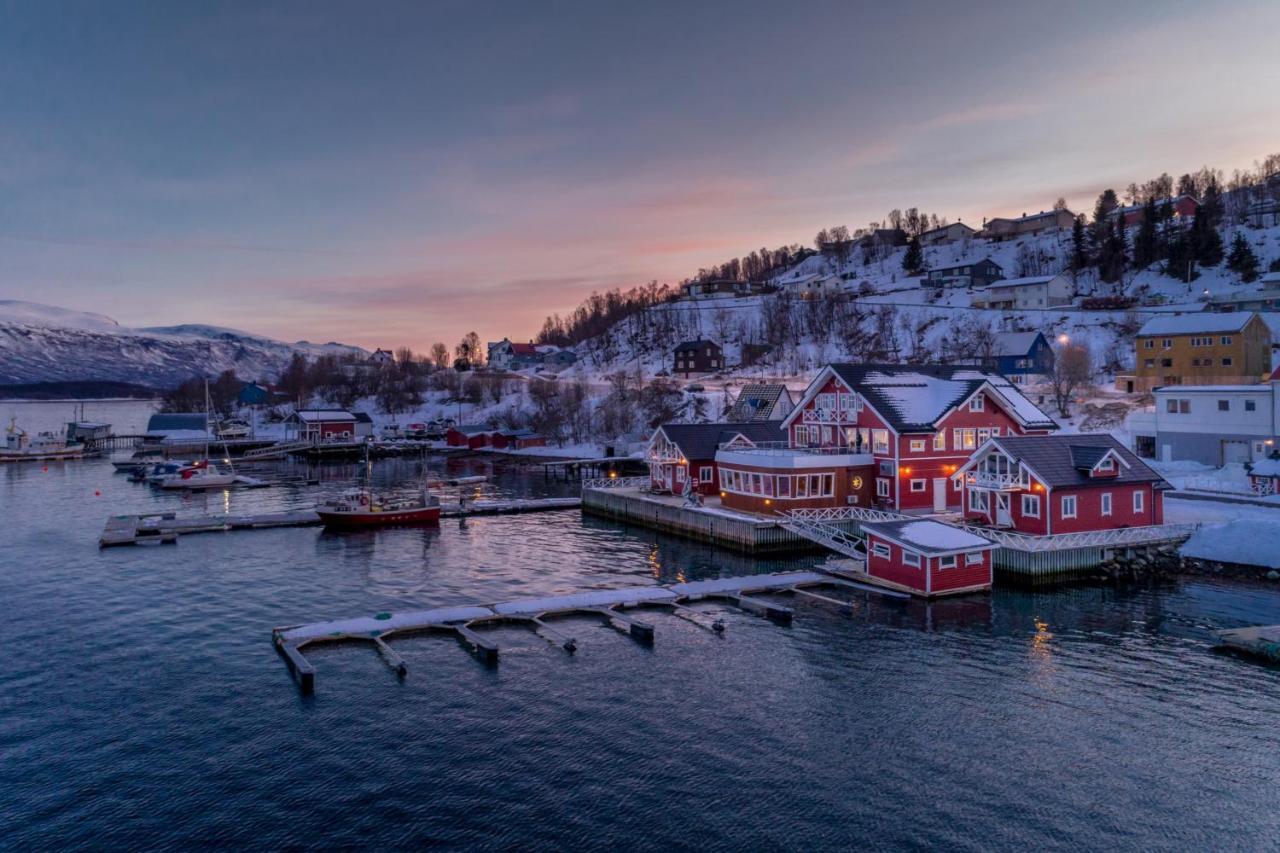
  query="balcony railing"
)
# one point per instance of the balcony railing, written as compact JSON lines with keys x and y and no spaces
{"x":997,"y":482}
{"x":616,"y":483}
{"x":785,"y":448}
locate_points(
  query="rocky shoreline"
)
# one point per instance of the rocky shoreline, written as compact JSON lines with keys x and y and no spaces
{"x":1165,"y":561}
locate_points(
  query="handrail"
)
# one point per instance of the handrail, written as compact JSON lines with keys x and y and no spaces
{"x":615,"y":483}
{"x":1086,"y":538}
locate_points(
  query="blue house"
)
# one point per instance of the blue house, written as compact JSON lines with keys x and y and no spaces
{"x":253,"y":394}
{"x":1021,"y":356}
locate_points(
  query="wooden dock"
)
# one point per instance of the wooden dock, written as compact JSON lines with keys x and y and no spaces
{"x":1261,"y":641}
{"x":609,"y":605}
{"x":165,"y":528}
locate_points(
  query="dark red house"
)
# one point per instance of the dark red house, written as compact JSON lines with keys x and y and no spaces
{"x":321,"y":426}
{"x":473,"y":437}
{"x":1181,"y":209}
{"x":1048,"y":484}
{"x":696,"y":357}
{"x":927,"y":558}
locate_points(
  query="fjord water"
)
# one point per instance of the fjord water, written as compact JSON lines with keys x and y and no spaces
{"x":142,"y":706}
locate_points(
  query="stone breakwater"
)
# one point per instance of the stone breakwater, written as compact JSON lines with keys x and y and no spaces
{"x":1165,"y":561}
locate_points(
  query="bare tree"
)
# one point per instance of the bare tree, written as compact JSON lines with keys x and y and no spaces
{"x":439,"y":355}
{"x":1072,"y":369}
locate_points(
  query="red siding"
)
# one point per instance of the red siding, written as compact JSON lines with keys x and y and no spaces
{"x":963,"y":575}
{"x":1088,"y":509}
{"x":894,"y":569}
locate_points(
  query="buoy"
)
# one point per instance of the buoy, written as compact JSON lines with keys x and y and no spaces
{"x":97,"y":494}
{"x":45,"y":469}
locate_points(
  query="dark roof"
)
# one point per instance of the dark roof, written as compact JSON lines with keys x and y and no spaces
{"x":1057,"y":459}
{"x":969,"y":264}
{"x":701,"y":441}
{"x":913,"y":397}
{"x":362,"y":417}
{"x":755,"y":402}
{"x":172,"y":420}
{"x":698,"y":344}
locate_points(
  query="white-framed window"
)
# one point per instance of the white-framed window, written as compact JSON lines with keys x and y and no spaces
{"x":1138,"y":504}
{"x":977,"y":404}
{"x":1068,"y":506}
{"x":973,"y":558}
{"x":880,"y":550}
{"x":940,"y":440}
{"x":784,"y":487}
{"x":1106,"y":503}
{"x":978,"y":501}
{"x":1226,"y":340}
{"x":879,"y":441}
{"x":947,"y":562}
{"x":910,"y":558}
{"x":1107,"y":464}
{"x":917,"y":445}
{"x":705,"y":473}
{"x":882,"y":487}
{"x":1031,"y":506}
{"x":918,"y":485}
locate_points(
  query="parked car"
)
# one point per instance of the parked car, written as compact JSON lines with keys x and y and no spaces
{"x":695,"y":388}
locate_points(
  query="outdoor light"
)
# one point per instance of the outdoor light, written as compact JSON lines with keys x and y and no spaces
{"x":613,"y":475}
{"x":1064,"y":338}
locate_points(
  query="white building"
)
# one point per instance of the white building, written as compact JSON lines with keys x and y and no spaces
{"x":1212,"y":424}
{"x":953,"y":233}
{"x":1042,"y":291}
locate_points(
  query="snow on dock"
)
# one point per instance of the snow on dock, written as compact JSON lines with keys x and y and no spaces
{"x":607,"y":604}
{"x":1262,"y":641}
{"x":165,"y":528}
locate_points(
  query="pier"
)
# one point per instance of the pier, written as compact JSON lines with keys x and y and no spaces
{"x":165,"y":528}
{"x":536,"y":613}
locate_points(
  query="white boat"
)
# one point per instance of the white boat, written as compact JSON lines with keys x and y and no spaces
{"x":19,"y":446}
{"x":199,"y":475}
{"x":234,"y":428}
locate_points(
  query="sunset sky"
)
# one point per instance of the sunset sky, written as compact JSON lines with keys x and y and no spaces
{"x":390,"y":174}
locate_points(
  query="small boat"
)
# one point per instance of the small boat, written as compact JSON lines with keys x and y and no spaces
{"x":234,"y":428}
{"x":199,"y":475}
{"x":357,"y":508}
{"x":157,"y":471}
{"x":139,"y":459}
{"x":19,"y":446}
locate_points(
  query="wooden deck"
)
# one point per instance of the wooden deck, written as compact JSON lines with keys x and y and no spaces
{"x":166,"y":528}
{"x":535,"y":613}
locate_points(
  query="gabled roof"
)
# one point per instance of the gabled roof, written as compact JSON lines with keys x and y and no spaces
{"x":756,"y":402}
{"x":322,"y":415}
{"x":1028,"y":281}
{"x":1015,"y":343}
{"x":700,"y":441}
{"x":362,"y":417}
{"x":1189,"y":324}
{"x":698,"y":344}
{"x":914,"y":397}
{"x":924,"y":536}
{"x":941,"y":228}
{"x":968,"y":264}
{"x":163,"y":421}
{"x":1055,"y":459}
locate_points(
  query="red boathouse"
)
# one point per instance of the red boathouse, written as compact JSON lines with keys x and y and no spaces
{"x":927,"y":558}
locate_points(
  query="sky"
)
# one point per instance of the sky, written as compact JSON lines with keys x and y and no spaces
{"x":395,"y":174}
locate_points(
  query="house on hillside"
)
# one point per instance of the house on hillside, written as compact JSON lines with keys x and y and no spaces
{"x":1211,"y":424}
{"x":559,"y":358}
{"x":722,"y":288}
{"x":927,"y":558}
{"x":1000,"y":229}
{"x":1207,"y":348}
{"x":379,"y":357}
{"x":321,"y":426}
{"x":1264,"y":212}
{"x":1181,"y":211}
{"x":1264,"y":296}
{"x":697,"y":357}
{"x":875,"y":435}
{"x":682,"y":457}
{"x":979,"y":274}
{"x":754,"y":354}
{"x":1012,"y":294}
{"x":760,"y":402}
{"x":505,"y":355}
{"x":953,"y":233}
{"x":1021,"y":357}
{"x":516,"y":439}
{"x":812,"y":285}
{"x":887,"y":238}
{"x":1048,"y":484}
{"x":253,"y":394}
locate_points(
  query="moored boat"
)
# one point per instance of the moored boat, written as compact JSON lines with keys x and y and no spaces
{"x":20,"y":446}
{"x":363,"y":508}
{"x":199,"y":475}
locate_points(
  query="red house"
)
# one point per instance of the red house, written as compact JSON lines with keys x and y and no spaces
{"x":683,"y":456}
{"x":516,"y":439}
{"x":321,"y":426}
{"x":893,"y":435}
{"x":1182,"y":209}
{"x":472,"y":437}
{"x":1050,"y":484}
{"x":927,"y":558}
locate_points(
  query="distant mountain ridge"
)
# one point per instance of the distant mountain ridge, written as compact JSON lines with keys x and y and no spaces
{"x":45,"y":343}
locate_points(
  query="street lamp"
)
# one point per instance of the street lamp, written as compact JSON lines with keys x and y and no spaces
{"x":1064,"y":339}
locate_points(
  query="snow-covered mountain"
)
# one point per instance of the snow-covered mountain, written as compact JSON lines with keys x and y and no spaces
{"x":44,"y":343}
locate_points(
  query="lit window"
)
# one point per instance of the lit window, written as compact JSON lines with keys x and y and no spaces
{"x":940,"y":440}
{"x":917,"y":445}
{"x":1031,"y":506}
{"x":1068,"y":506}
{"x":879,"y":441}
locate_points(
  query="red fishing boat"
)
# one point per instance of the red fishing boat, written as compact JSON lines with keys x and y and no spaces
{"x":363,"y":508}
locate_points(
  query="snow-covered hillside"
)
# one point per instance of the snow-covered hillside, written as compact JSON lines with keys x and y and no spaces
{"x":43,"y":343}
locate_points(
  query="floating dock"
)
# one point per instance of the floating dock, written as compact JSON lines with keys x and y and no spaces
{"x":608,"y":605}
{"x":165,"y":528}
{"x":1262,"y":641}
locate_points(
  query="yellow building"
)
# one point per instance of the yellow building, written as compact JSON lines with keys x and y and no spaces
{"x":1202,"y":349}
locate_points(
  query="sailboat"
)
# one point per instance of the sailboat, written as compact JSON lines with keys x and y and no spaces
{"x":202,"y":474}
{"x":361,"y":507}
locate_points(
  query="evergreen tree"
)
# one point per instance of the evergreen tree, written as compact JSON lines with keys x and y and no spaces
{"x":913,"y":260}
{"x":1180,"y":263}
{"x":1145,"y":242}
{"x":1079,"y":245}
{"x":1242,"y":260}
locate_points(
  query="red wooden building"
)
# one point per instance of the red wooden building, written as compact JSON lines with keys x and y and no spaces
{"x":321,"y":426}
{"x":927,"y":558}
{"x":473,"y":437}
{"x":1182,"y":209}
{"x":1050,"y":484}
{"x":516,"y":439}
{"x":684,"y":455}
{"x":889,"y":436}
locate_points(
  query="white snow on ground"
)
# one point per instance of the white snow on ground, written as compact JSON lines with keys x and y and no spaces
{"x":1231,"y":532}
{"x":1196,"y":476}
{"x":35,"y":314}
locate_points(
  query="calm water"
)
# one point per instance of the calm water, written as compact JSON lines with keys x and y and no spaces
{"x":142,"y":706}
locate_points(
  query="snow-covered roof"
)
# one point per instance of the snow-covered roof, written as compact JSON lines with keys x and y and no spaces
{"x":1266,"y":468}
{"x":326,"y":415}
{"x":1190,"y":324}
{"x":1028,"y":281}
{"x":927,"y":537}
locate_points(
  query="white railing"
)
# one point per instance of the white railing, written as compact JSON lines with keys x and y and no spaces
{"x":784,"y":448}
{"x":616,"y":483}
{"x":985,"y":480}
{"x":1084,"y":539}
{"x":827,"y":535}
{"x":845,"y":513}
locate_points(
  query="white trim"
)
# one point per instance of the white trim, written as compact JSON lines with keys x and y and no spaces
{"x":1075,"y":505}
{"x":1025,"y":497}
{"x":1105,"y":503}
